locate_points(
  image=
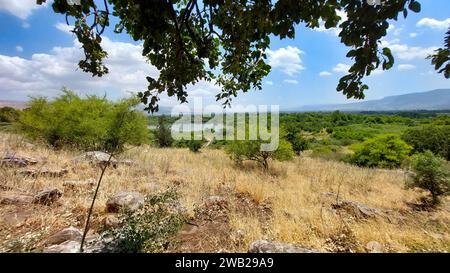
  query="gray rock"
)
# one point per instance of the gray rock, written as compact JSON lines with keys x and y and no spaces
{"x":67,"y":234}
{"x":130,"y":201}
{"x":96,"y":157}
{"x":66,"y":247}
{"x":43,"y":172}
{"x":47,"y":197}
{"x":14,"y":198}
{"x":93,"y":244}
{"x":354,"y":208}
{"x":79,"y":184}
{"x":263,"y":246}
{"x":16,"y":160}
{"x":374,"y":247}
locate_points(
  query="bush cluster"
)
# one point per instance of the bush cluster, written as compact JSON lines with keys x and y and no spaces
{"x":90,"y":123}
{"x":384,"y":151}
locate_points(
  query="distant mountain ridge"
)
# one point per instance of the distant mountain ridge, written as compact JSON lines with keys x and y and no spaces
{"x":438,"y":99}
{"x":13,"y":104}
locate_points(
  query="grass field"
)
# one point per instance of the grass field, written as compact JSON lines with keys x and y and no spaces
{"x":292,"y":202}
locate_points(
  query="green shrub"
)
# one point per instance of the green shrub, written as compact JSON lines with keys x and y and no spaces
{"x":90,"y":123}
{"x":9,"y":114}
{"x":243,"y":150}
{"x":385,"y":151}
{"x":299,"y":143}
{"x":294,"y":136}
{"x":195,"y":145}
{"x":430,"y":173}
{"x":433,"y":138}
{"x":150,"y":229}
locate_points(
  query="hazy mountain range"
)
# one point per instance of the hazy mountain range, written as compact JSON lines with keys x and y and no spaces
{"x":438,"y":99}
{"x":431,"y":100}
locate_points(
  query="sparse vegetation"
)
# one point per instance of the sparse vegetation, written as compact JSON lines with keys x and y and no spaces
{"x":151,"y":229}
{"x":288,"y":198}
{"x":294,"y":207}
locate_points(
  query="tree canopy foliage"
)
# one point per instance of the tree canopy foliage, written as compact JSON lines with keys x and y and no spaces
{"x":433,"y":138}
{"x":225,"y":41}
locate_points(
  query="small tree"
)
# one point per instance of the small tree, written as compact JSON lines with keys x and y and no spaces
{"x":164,"y":134}
{"x":251,"y":150}
{"x":430,"y":173}
{"x":385,"y":151}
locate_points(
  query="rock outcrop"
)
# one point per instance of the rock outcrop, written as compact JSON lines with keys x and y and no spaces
{"x":96,"y":158}
{"x":79,"y":184}
{"x":15,"y":198}
{"x":43,"y":172}
{"x":67,"y":234}
{"x":16,"y":160}
{"x":263,"y":246}
{"x":47,"y":197}
{"x":128,"y":201}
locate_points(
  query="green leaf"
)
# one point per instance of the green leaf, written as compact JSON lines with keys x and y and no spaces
{"x":415,"y":6}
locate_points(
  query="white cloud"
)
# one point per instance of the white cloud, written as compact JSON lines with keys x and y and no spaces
{"x":19,"y":8}
{"x":325,"y":74}
{"x":404,"y":67}
{"x":287,"y":59}
{"x":341,"y":68}
{"x":44,"y":74}
{"x":291,"y":81}
{"x":413,"y":34}
{"x":269,"y":82}
{"x":406,"y":52}
{"x":64,"y":28}
{"x":377,"y":72}
{"x":26,"y":25}
{"x":394,"y":30}
{"x":434,"y":24}
{"x":19,"y":48}
{"x":203,"y":89}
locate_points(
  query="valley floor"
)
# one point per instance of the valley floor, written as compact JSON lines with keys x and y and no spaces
{"x":318,"y":204}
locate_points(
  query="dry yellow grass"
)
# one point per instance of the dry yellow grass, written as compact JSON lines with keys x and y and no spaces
{"x":300,"y":212}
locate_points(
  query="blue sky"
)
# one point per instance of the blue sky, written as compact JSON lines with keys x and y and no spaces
{"x":38,"y":55}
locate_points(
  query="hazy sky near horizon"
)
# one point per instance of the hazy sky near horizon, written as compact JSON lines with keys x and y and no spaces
{"x":39,"y":55}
